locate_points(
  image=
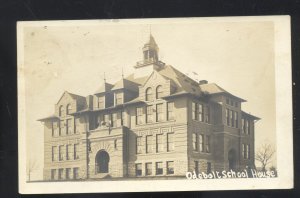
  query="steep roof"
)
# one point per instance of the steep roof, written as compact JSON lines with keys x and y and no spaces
{"x":105,"y":87}
{"x":125,"y":84}
{"x":182,"y":81}
{"x":212,"y":88}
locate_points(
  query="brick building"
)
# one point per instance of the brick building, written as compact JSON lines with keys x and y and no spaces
{"x":157,"y":122}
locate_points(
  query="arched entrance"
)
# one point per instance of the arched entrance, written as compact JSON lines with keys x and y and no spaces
{"x":102,"y":162}
{"x":232,"y":159}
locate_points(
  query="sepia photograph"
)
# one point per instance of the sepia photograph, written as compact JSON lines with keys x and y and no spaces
{"x":178,"y":104}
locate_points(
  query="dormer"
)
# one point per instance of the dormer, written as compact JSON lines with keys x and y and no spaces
{"x":103,"y":96}
{"x":123,"y":91}
{"x":69,"y":103}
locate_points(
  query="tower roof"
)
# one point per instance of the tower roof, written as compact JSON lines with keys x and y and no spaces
{"x":151,"y":43}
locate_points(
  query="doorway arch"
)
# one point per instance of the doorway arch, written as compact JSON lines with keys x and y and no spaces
{"x":102,"y":162}
{"x":232,"y":159}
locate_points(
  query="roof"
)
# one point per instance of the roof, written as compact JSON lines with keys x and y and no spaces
{"x":151,"y":42}
{"x":251,"y":116}
{"x":125,"y":84}
{"x":182,"y":81}
{"x":51,"y":117}
{"x":104,"y":88}
{"x":73,"y":96}
{"x":212,"y":88}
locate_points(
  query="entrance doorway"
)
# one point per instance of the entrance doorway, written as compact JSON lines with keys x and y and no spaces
{"x":232,"y":159}
{"x":102,"y":162}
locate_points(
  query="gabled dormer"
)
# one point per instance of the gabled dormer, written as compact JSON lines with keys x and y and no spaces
{"x":69,"y":103}
{"x":103,"y":97}
{"x":123,"y":91}
{"x":155,"y":87}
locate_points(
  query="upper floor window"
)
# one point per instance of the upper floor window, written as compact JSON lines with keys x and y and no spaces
{"x":118,"y":98}
{"x":207,"y":143}
{"x":139,"y":115}
{"x":170,"y":111}
{"x":139,"y":145}
{"x":159,"y":112}
{"x":149,"y":94}
{"x":69,"y":109}
{"x":61,"y":110}
{"x":195,"y":142}
{"x":69,"y":126}
{"x":170,"y":141}
{"x":100,"y":102}
{"x":207,"y":114}
{"x":201,"y":143}
{"x":149,"y":114}
{"x":200,"y":107}
{"x":149,"y":144}
{"x":159,"y":91}
{"x":159,"y":143}
{"x":114,"y":120}
{"x":76,"y":151}
{"x":194,"y":111}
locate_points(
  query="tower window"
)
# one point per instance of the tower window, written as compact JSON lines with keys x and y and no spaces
{"x":159,"y":91}
{"x":69,"y":109}
{"x":149,"y":95}
{"x":61,"y":110}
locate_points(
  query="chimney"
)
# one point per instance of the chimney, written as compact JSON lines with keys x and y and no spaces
{"x":201,"y":82}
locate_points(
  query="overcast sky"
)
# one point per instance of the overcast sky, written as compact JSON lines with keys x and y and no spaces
{"x":238,"y":56}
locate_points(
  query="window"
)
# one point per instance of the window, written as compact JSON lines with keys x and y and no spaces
{"x":53,"y":174}
{"x":243,"y":125}
{"x":227,"y":101}
{"x":207,"y":144}
{"x":149,"y":143}
{"x":208,"y":167}
{"x":54,"y":154}
{"x":236,"y":104}
{"x":69,"y":126}
{"x":76,"y":151}
{"x":68,"y":173}
{"x":207,"y":114}
{"x":200,"y":115}
{"x":61,"y":152}
{"x":247,"y":151}
{"x":170,"y":111}
{"x":159,"y":91}
{"x":170,"y":141}
{"x":149,"y":94}
{"x":139,"y":145}
{"x":68,"y":147}
{"x":194,"y":111}
{"x":244,"y":151}
{"x":231,"y":118}
{"x":60,"y":173}
{"x":76,"y":125}
{"x":61,"y":127}
{"x":89,"y":146}
{"x":116,"y":144}
{"x":249,"y":127}
{"x":139,"y":115}
{"x":61,"y":110}
{"x":195,"y":142}
{"x":159,"y":143}
{"x":246,"y":126}
{"x":114,"y":120}
{"x":227,"y":117}
{"x":122,"y":114}
{"x":236,"y":119}
{"x":159,"y":112}
{"x":100,"y":102}
{"x":159,"y":168}
{"x":201,"y":143}
{"x":170,"y":168}
{"x":196,"y":167}
{"x":75,"y":173}
{"x":149,"y":168}
{"x":149,"y":114}
{"x":54,"y":129}
{"x":118,"y":98}
{"x":138,"y":169}
{"x":69,"y":109}
{"x":106,"y":119}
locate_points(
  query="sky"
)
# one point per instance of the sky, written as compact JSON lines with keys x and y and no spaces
{"x":238,"y":56}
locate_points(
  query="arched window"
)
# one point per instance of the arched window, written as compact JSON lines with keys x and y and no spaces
{"x":102,"y":162}
{"x":149,"y":95}
{"x":61,"y":110}
{"x":69,"y":109}
{"x":159,"y":91}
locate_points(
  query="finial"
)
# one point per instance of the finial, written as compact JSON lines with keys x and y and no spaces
{"x":150,"y":29}
{"x":122,"y":73}
{"x":104,"y":77}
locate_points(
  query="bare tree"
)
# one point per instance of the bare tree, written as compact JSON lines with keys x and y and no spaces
{"x":264,"y":154}
{"x":31,"y":167}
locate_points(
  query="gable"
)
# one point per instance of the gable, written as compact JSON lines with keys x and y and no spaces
{"x":154,"y":79}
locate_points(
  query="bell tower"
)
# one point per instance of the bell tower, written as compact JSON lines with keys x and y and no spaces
{"x":150,"y":59}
